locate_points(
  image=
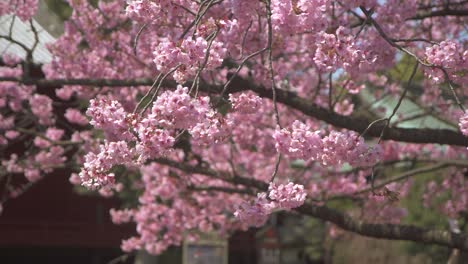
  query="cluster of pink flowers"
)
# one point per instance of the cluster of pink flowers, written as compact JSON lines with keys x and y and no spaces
{"x":160,"y":225}
{"x":74,"y":116}
{"x":11,"y":134}
{"x":451,"y":56}
{"x":241,"y":8}
{"x":446,"y":54}
{"x":455,"y":188}
{"x":395,"y":12}
{"x":44,"y":161}
{"x":299,"y":142}
{"x":177,"y":109}
{"x":188,"y":56}
{"x":153,"y":141}
{"x":143,"y":10}
{"x":299,"y":16}
{"x":344,"y":107}
{"x":10,"y":59}
{"x":10,"y":72}
{"x":32,"y":175}
{"x":95,"y":172}
{"x":150,"y":11}
{"x":463,"y":124}
{"x":121,"y":216}
{"x":6,"y":122}
{"x":330,"y":186}
{"x":336,"y":148}
{"x":24,"y":9}
{"x":111,"y":117}
{"x":213,"y":129}
{"x":152,"y":135}
{"x":11,"y":165}
{"x":48,"y":159}
{"x":279,"y":197}
{"x":255,"y":213}
{"x":65,"y":93}
{"x":14,"y":94}
{"x":245,"y":103}
{"x":287,"y":196}
{"x":340,"y":50}
{"x":52,"y":134}
{"x":249,"y":125}
{"x":378,"y":209}
{"x":340,"y":147}
{"x":41,"y":106}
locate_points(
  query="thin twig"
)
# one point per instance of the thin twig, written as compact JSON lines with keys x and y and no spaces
{"x":453,"y":90}
{"x":244,"y":38}
{"x":270,"y":60}
{"x":275,"y":171}
{"x":410,"y":80}
{"x":226,"y":85}
{"x":147,"y":94}
{"x":157,"y":89}
{"x":330,"y":91}
{"x":403,"y":176}
{"x":10,"y":30}
{"x":211,"y":38}
{"x":53,"y":142}
{"x":137,"y":37}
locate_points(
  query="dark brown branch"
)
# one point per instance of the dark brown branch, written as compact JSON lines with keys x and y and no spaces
{"x":359,"y":124}
{"x":86,"y":82}
{"x":343,"y":220}
{"x":225,"y":176}
{"x":444,"y":12}
{"x":53,"y":142}
{"x":420,"y":61}
{"x":386,"y":231}
{"x":355,"y":123}
{"x":219,"y":189}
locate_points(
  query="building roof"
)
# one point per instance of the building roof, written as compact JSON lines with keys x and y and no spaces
{"x":22,"y":32}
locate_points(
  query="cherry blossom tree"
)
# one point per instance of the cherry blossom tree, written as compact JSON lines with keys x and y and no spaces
{"x":217,"y":113}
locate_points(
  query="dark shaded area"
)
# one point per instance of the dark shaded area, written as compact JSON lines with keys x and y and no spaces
{"x":50,"y":223}
{"x":48,"y":255}
{"x":242,"y":247}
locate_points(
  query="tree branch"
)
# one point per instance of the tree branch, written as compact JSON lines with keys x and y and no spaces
{"x":386,"y":231}
{"x":444,"y":12}
{"x":354,"y":123}
{"x":402,"y":176}
{"x":343,"y":220}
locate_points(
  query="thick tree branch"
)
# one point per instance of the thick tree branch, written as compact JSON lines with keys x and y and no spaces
{"x":85,"y":82}
{"x":359,"y":124}
{"x":218,"y":189}
{"x":343,"y":220}
{"x":355,"y":123}
{"x":225,"y":176}
{"x":386,"y":231}
{"x":440,"y":13}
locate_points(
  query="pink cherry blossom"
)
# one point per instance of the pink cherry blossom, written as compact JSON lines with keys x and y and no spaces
{"x":74,"y":116}
{"x":287,"y":196}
